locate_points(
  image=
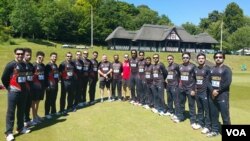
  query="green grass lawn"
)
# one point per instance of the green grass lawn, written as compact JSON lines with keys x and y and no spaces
{"x":121,"y":121}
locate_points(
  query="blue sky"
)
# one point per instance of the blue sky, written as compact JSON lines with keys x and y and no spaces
{"x":182,"y":11}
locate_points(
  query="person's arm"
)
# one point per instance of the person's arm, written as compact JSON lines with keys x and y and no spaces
{"x":164,"y":71}
{"x":46,"y":74}
{"x":227,"y":80}
{"x":7,"y":74}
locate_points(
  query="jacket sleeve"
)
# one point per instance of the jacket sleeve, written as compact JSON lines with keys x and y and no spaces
{"x":227,"y":79}
{"x":6,"y":75}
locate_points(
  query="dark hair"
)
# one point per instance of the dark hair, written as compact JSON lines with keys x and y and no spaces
{"x":170,"y":55}
{"x":148,"y":58}
{"x":187,"y":53}
{"x":116,"y":55}
{"x":40,"y":53}
{"x":133,"y":50}
{"x":16,"y":49}
{"x":68,"y":53}
{"x":95,"y":52}
{"x":220,"y":52}
{"x":141,"y":52}
{"x":53,"y":53}
{"x":27,"y":50}
{"x":201,"y":54}
{"x":156,"y":54}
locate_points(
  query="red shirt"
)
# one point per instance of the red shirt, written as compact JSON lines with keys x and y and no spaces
{"x":126,"y":70}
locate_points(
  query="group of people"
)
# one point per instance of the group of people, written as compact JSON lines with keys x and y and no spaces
{"x":147,"y":80}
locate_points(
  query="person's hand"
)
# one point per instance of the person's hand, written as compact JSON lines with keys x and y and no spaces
{"x":214,"y":93}
{"x":192,"y":93}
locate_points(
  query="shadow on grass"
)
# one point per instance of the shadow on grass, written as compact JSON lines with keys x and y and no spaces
{"x":44,"y":124}
{"x":42,"y":42}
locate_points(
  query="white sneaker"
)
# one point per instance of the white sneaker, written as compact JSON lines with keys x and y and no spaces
{"x":146,"y":107}
{"x":167,"y":114}
{"x":161,"y":113}
{"x":176,"y":120}
{"x":132,"y":101}
{"x":48,"y":116}
{"x":155,"y":110}
{"x":174,"y":117}
{"x":212,"y":134}
{"x":198,"y":126}
{"x":10,"y":137}
{"x":24,"y":130}
{"x":205,"y":130}
{"x":193,"y":126}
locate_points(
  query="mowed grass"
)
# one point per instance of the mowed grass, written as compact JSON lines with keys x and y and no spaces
{"x":120,"y":121}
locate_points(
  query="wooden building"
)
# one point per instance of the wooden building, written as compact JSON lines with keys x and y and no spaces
{"x":159,"y":38}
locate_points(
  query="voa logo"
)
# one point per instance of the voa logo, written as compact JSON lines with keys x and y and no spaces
{"x":236,"y":132}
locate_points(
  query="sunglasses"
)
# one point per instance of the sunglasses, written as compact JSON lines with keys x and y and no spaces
{"x":218,"y":57}
{"x":19,"y":53}
{"x":155,"y":57}
{"x":69,"y":56}
{"x":185,"y":57}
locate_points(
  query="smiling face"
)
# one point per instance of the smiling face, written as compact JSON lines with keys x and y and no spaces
{"x":19,"y":55}
{"x":170,"y":59}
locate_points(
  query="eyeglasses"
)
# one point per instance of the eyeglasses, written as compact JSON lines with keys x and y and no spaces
{"x":185,"y":57}
{"x":155,"y":57}
{"x":218,"y":57}
{"x":19,"y":53}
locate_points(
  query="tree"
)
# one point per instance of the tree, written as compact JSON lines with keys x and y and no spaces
{"x":233,"y":17}
{"x":240,"y":38}
{"x":48,"y":12}
{"x":6,"y":6}
{"x":191,"y":28}
{"x":24,"y":18}
{"x":145,"y":16}
{"x":164,"y":20}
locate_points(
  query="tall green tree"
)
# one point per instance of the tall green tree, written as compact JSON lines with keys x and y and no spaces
{"x":145,"y":16}
{"x":48,"y":12}
{"x":191,"y":28}
{"x":24,"y":18}
{"x":233,"y":17}
{"x":240,"y":38}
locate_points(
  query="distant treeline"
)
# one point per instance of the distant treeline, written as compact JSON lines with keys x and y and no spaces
{"x":70,"y":20}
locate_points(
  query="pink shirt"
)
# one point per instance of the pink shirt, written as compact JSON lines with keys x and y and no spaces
{"x":126,"y":70}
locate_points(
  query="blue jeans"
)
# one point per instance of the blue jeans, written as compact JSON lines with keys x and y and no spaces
{"x":16,"y":100}
{"x":203,"y":115}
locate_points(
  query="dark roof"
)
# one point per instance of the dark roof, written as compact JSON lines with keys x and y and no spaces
{"x":159,"y":33}
{"x":151,"y":33}
{"x":184,"y":35}
{"x":121,"y":33}
{"x":205,"y":38}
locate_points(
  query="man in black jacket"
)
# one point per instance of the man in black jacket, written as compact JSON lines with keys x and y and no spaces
{"x":14,"y":80}
{"x":221,"y":78}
